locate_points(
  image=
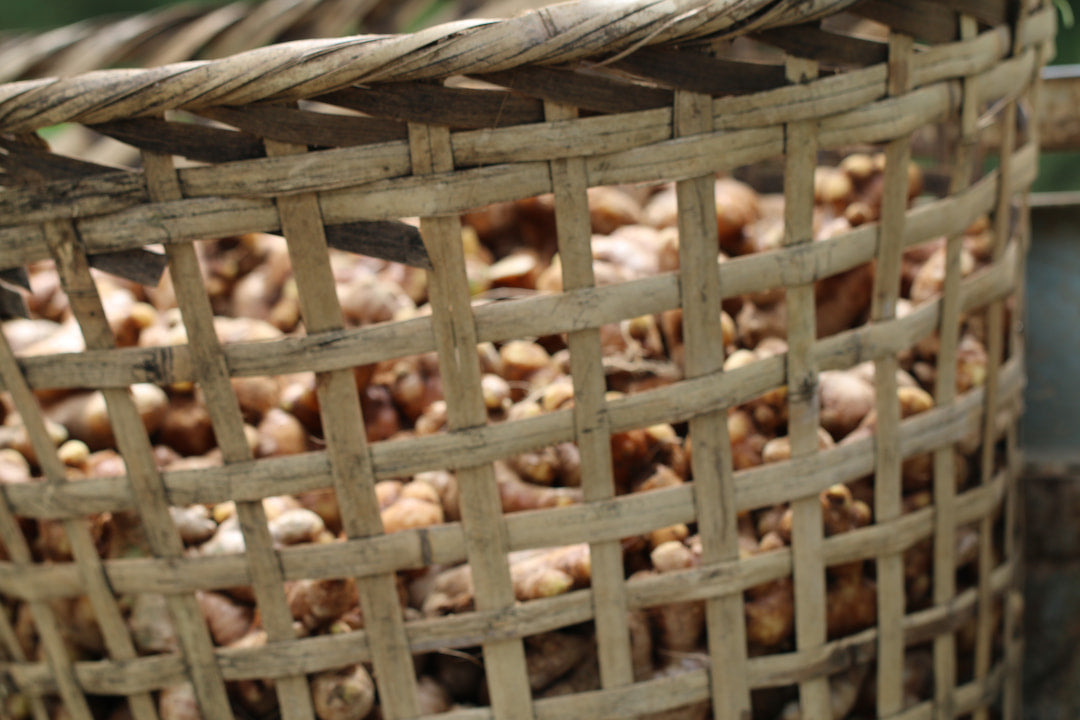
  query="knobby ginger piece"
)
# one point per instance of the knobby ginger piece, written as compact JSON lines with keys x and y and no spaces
{"x":178,"y":702}
{"x":551,"y":655}
{"x":343,"y":695}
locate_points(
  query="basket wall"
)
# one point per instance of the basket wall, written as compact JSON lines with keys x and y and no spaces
{"x":665,"y":104}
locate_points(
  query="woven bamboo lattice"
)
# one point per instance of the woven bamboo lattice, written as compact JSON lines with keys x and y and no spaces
{"x":327,"y":142}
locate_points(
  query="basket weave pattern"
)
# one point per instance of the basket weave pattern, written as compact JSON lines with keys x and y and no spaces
{"x":573,"y":120}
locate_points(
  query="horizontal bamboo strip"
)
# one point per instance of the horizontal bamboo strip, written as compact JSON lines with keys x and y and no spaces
{"x":250,"y":480}
{"x":540,"y":141}
{"x":328,"y":651}
{"x":539,"y":315}
{"x":290,"y":71}
{"x":612,"y":519}
{"x":262,"y":478}
{"x":374,"y":184}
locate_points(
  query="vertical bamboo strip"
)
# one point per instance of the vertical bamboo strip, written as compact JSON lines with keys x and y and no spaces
{"x":711,"y":460}
{"x":346,"y":444}
{"x":1012,"y":207}
{"x":995,"y":349}
{"x":944,"y":575}
{"x":800,"y":161}
{"x":481,"y":509}
{"x":48,"y":627}
{"x":592,"y":427}
{"x":106,"y":610}
{"x":152,"y":501}
{"x":888,"y":489}
{"x":9,"y":643}
{"x":213,"y":376}
{"x":1013,"y":551}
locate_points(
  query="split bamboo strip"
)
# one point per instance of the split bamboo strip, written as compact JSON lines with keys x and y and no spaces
{"x":711,"y":460}
{"x":800,"y":154}
{"x":151,"y":502}
{"x":481,"y":511}
{"x":888,"y":484}
{"x":592,"y":425}
{"x":350,"y":460}
{"x":944,"y":583}
{"x":228,"y":426}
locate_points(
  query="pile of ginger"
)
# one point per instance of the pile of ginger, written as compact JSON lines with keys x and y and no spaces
{"x":511,"y":251}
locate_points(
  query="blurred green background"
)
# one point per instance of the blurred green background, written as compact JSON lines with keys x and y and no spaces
{"x":21,"y":14}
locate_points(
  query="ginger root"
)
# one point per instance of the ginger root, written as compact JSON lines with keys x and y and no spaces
{"x":343,"y":694}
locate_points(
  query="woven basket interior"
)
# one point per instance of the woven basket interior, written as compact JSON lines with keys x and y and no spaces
{"x":513,"y":135}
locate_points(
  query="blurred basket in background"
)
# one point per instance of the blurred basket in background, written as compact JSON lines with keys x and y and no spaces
{"x":330,"y":142}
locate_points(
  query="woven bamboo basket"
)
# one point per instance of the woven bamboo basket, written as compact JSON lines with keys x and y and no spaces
{"x":330,"y":143}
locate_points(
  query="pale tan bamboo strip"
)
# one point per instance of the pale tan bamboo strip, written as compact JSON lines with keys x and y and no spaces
{"x":196,"y":218}
{"x":481,"y":508}
{"x":183,"y":44}
{"x":58,"y":665}
{"x":350,"y":459}
{"x":592,"y":427}
{"x":1012,"y":695}
{"x":711,"y":462}
{"x":890,"y":118}
{"x":813,"y":100}
{"x":944,"y":483}
{"x":594,"y":308}
{"x":969,"y":697}
{"x":228,"y":424}
{"x":762,"y":486}
{"x":311,"y":471}
{"x":648,"y":696}
{"x":280,"y":175}
{"x":887,"y":481}
{"x":327,"y":651}
{"x":145,"y":481}
{"x":305,"y":563}
{"x":873,"y":123}
{"x":20,"y":54}
{"x":107,"y":613}
{"x":99,"y":194}
{"x":336,"y":168}
{"x":591,"y":136}
{"x":995,"y":350}
{"x":293,"y":70}
{"x":1012,"y":700}
{"x":575,"y":524}
{"x":13,"y":652}
{"x":822,"y":97}
{"x":1007,"y":80}
{"x":264,"y":23}
{"x":686,"y":157}
{"x":557,"y":139}
{"x":534,"y":316}
{"x":324,"y":652}
{"x":808,"y":568}
{"x":164,"y":35}
{"x":960,"y":58}
{"x":781,"y":669}
{"x":121,"y":35}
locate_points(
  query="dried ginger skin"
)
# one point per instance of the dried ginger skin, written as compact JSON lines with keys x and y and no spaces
{"x":343,"y":694}
{"x":679,"y":626}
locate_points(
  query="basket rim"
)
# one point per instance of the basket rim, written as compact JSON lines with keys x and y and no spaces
{"x":552,"y":35}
